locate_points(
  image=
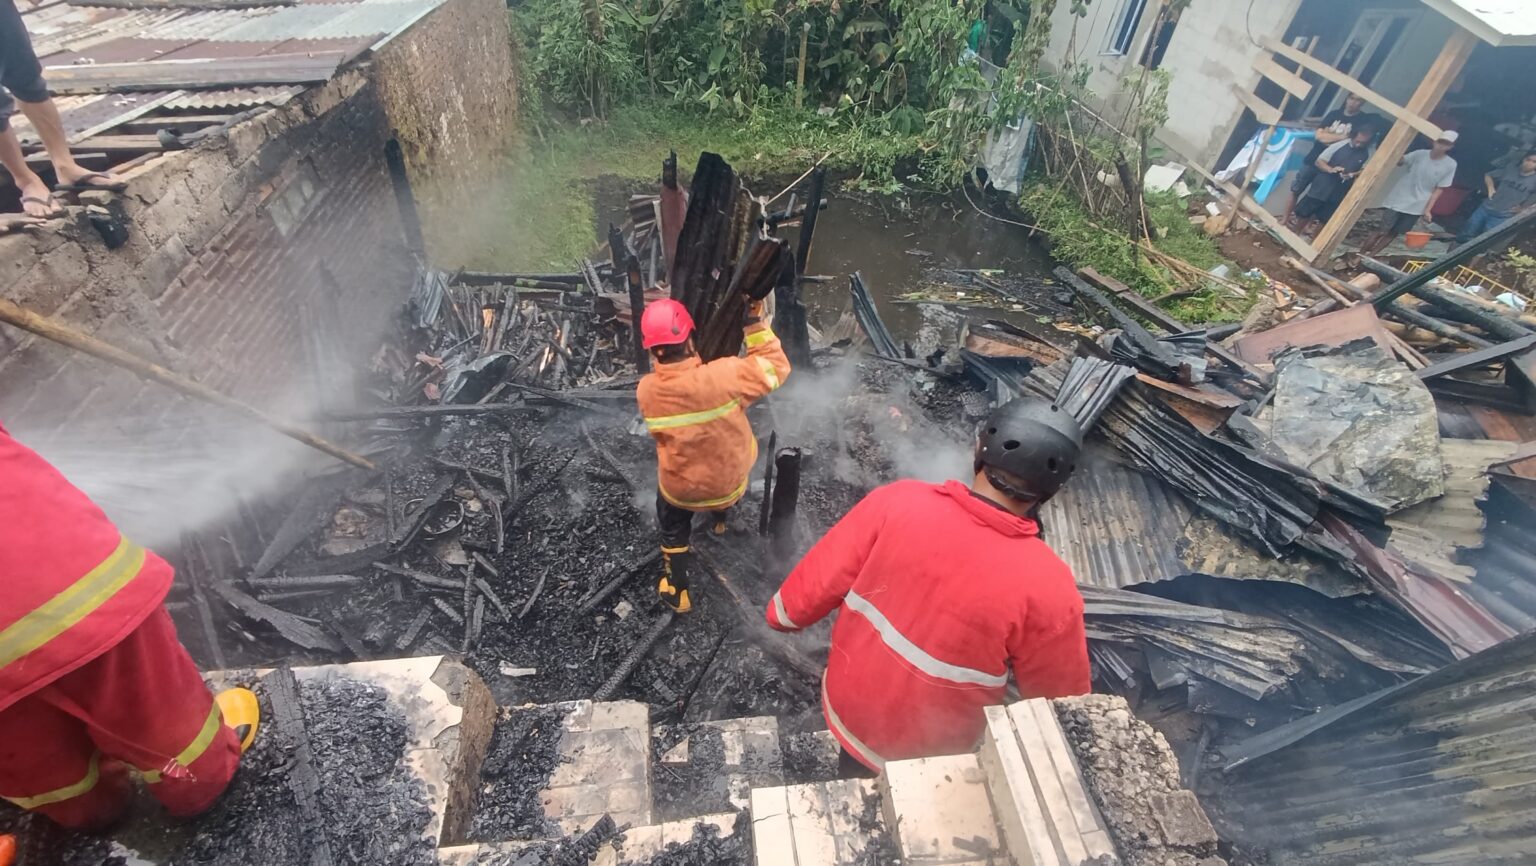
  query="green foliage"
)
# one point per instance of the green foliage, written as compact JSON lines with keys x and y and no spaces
{"x":576,"y":56}
{"x":1080,"y":241}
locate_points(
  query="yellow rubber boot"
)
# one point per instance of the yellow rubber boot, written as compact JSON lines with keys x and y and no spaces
{"x":673,"y":586}
{"x":242,"y":712}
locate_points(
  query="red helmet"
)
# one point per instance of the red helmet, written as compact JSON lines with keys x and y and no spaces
{"x":665,"y":323}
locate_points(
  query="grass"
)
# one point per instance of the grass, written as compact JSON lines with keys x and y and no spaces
{"x":1079,"y":241}
{"x":536,"y":212}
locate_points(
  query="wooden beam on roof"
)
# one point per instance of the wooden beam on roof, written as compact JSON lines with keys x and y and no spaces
{"x":1294,"y":84}
{"x":1267,"y":114}
{"x":271,"y":69}
{"x":1366,"y":188}
{"x":1416,"y":118}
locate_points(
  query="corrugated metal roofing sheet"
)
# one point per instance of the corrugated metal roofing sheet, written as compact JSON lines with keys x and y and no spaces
{"x":66,"y":35}
{"x":236,"y":98}
{"x":1441,"y":770}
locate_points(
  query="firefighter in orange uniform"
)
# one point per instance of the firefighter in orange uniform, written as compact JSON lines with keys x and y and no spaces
{"x":93,"y":682}
{"x":697,"y":413}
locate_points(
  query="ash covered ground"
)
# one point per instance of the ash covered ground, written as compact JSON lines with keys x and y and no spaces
{"x":578,"y":518}
{"x":369,"y":809}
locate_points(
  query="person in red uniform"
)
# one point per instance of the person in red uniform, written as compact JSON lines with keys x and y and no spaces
{"x":697,"y":413}
{"x":93,"y":682}
{"x":942,"y":589}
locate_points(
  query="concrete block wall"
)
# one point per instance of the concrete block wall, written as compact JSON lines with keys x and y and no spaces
{"x":1210,"y":52}
{"x":449,"y":86}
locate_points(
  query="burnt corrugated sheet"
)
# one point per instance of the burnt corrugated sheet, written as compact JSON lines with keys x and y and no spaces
{"x":1505,"y":581}
{"x":1118,"y":527}
{"x":1441,"y":771}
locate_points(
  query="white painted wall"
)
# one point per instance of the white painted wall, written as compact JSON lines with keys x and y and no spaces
{"x":1210,"y":53}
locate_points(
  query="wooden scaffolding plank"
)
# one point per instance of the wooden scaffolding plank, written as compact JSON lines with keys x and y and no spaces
{"x":1293,"y":83}
{"x":1413,"y":115}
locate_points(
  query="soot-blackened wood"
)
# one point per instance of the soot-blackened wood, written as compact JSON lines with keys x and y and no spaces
{"x":624,"y":262}
{"x":303,"y":779}
{"x":813,"y":193}
{"x":674,"y":209}
{"x":789,"y":316}
{"x":786,"y":500}
{"x":767,"y":507}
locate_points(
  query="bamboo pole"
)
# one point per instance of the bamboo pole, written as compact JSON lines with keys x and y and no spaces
{"x":65,"y":335}
{"x":805,"y":35}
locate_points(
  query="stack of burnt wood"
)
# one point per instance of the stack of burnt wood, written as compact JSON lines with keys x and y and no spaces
{"x":713,"y":246}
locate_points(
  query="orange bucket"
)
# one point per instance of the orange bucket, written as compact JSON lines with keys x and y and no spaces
{"x":1417,"y":240}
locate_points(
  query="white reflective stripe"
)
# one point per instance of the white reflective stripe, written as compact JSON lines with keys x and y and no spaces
{"x":853,"y":743}
{"x":916,"y":655}
{"x":778,"y":611}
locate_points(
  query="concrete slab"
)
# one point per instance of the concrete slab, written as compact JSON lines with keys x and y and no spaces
{"x":940,"y":811}
{"x":643,"y":844}
{"x":1042,"y":804}
{"x":729,"y":757}
{"x":819,"y":823}
{"x":605,"y":768}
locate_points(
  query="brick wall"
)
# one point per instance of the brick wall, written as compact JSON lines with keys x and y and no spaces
{"x":249,"y":261}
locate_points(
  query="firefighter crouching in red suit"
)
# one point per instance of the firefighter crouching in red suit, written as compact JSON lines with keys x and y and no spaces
{"x":93,"y":682}
{"x":943,"y":589}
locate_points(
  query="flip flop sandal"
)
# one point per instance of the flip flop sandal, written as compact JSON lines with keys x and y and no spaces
{"x":81,"y":185}
{"x":58,"y":212}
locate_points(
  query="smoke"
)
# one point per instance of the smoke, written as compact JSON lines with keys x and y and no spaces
{"x":189,"y":471}
{"x":874,"y":436}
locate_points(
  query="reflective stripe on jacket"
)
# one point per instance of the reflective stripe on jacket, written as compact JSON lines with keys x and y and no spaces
{"x":71,"y":586}
{"x":697,"y":413}
{"x":941,"y":594}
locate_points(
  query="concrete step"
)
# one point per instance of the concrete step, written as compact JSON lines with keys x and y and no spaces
{"x":639,"y":846}
{"x":713,"y":766}
{"x":827,"y":823}
{"x":940,"y":811}
{"x":1043,"y":807}
{"x":605,"y":767}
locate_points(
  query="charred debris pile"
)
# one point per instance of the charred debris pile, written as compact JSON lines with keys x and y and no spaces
{"x":1269,"y":520}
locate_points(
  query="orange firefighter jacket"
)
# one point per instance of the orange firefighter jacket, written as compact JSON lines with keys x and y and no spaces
{"x":697,"y":413}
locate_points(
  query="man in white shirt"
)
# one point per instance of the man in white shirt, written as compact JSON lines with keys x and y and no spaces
{"x":1414,"y":195}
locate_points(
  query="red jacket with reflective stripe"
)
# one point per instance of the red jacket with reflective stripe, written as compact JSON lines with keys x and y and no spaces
{"x":71,"y":587}
{"x":941,"y":593}
{"x":697,"y":413}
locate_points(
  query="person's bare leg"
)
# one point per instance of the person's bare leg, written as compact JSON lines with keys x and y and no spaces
{"x":50,"y":128}
{"x":26,"y":179}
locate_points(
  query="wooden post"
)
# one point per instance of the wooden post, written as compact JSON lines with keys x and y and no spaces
{"x":1225,"y":220}
{"x":805,"y":35}
{"x":65,"y":335}
{"x":1452,"y":59}
{"x":624,"y":262}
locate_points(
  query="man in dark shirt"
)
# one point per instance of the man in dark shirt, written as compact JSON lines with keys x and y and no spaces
{"x":21,"y":81}
{"x":1336,"y":170}
{"x":1510,"y":191}
{"x":1338,"y":125}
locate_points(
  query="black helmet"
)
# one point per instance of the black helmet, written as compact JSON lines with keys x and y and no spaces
{"x":1033,"y":440}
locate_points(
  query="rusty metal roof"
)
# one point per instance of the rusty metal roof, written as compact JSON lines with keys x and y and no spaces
{"x":66,"y":35}
{"x":1440,"y":770}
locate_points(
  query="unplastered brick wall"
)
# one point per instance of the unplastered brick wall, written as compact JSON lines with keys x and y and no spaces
{"x":450,"y":87}
{"x":265,"y":265}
